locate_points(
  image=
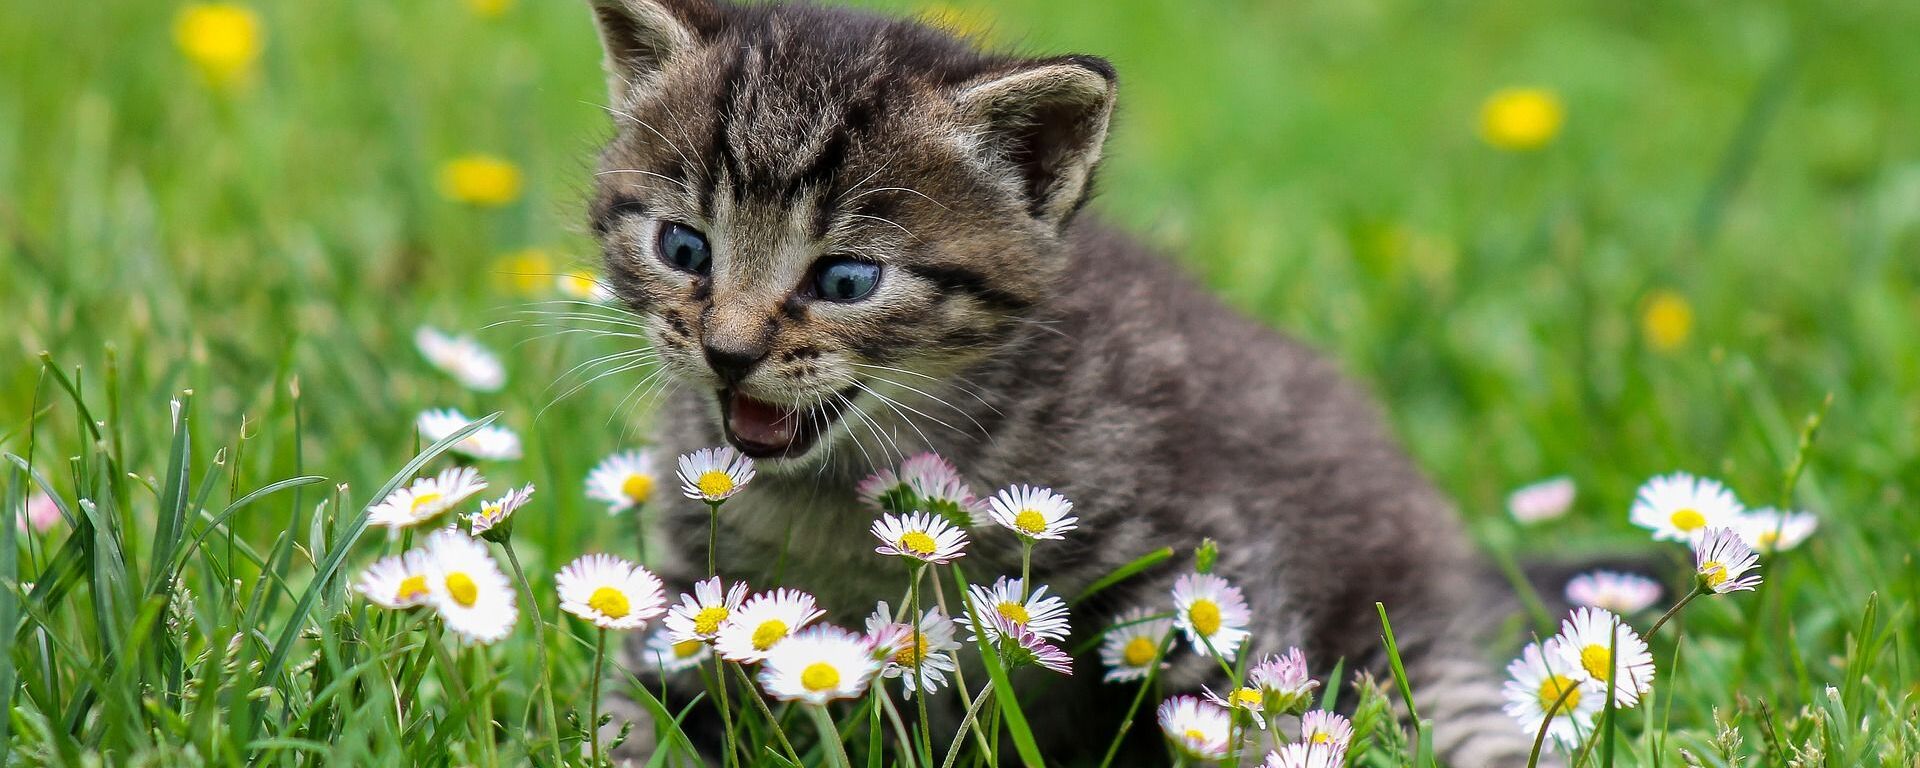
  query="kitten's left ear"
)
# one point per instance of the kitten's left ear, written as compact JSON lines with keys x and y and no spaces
{"x":642,"y":36}
{"x":1046,"y":122}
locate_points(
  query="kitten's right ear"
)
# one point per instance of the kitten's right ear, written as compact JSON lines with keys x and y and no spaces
{"x":642,"y":36}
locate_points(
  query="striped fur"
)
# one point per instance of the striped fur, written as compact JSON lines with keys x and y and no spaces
{"x":1025,"y":342}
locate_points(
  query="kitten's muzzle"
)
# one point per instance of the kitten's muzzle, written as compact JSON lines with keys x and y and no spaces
{"x":733,"y":364}
{"x":765,"y":430}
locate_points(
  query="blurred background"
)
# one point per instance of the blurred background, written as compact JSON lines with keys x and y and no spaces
{"x":1592,"y":239}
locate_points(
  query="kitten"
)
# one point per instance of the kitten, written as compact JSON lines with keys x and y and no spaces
{"x":852,"y":238}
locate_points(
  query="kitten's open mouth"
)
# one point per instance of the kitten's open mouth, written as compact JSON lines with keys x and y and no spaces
{"x":769,"y":430}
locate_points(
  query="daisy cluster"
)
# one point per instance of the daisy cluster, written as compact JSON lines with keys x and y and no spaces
{"x":1558,"y":687}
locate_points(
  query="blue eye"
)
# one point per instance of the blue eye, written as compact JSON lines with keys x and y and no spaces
{"x":837,"y":278}
{"x":684,"y":248}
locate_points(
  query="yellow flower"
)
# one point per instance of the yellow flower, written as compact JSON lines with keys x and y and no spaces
{"x":1521,"y":119}
{"x":482,"y":180}
{"x":1666,"y":320}
{"x":223,"y":39}
{"x":526,"y":272}
{"x":966,"y":22}
{"x":489,"y":9}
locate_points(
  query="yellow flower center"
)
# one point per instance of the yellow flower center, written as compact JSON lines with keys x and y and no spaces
{"x":611,"y":602}
{"x":525,"y":271}
{"x":480,"y":180}
{"x":1247,"y":697}
{"x":462,"y":589}
{"x":707,"y":621}
{"x":488,"y":9}
{"x":223,"y":39}
{"x":637,"y":487}
{"x":686,"y":648}
{"x":1030,"y":522}
{"x":1320,"y":737}
{"x":490,"y":512}
{"x":1666,"y":321}
{"x":410,"y":588}
{"x":1205,"y":616}
{"x":1597,"y":660}
{"x":1013,"y":612}
{"x":1139,"y":651}
{"x":911,"y":652}
{"x":1688,"y":519}
{"x":1713,"y":573}
{"x":768,"y":633}
{"x":1555,"y":686}
{"x":579,"y":284}
{"x":820,"y":676}
{"x":1521,"y":119}
{"x":1768,"y":539}
{"x":714,"y":483}
{"x":425,"y":500}
{"x":1195,"y":734}
{"x":917,"y":543}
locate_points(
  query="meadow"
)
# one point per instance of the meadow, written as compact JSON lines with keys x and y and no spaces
{"x":1696,"y":248}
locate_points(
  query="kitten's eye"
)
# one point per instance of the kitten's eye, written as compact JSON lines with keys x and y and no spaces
{"x":838,"y":278}
{"x":684,"y":248}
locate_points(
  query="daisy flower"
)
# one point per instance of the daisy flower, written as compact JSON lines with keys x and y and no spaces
{"x":1032,"y":512}
{"x":762,"y":622}
{"x":1722,"y":559}
{"x":1302,"y":755}
{"x":468,"y":588}
{"x":1770,"y":530}
{"x":1676,"y":507}
{"x":1284,"y":680}
{"x":397,"y":581}
{"x":488,"y":443}
{"x":1210,"y":611}
{"x":884,"y":491}
{"x":1246,"y":698}
{"x":623,"y":481}
{"x":1021,"y":646}
{"x":461,"y":357}
{"x":1594,"y":643}
{"x":1544,"y":500}
{"x":700,"y":615}
{"x":1538,"y":680}
{"x":1045,"y":615}
{"x":1129,"y":646}
{"x":819,"y":665}
{"x":41,"y":514}
{"x":426,"y":498}
{"x":1617,"y":592}
{"x":714,"y":474}
{"x":919,"y":536}
{"x":933,"y":652}
{"x":1328,"y":729}
{"x":670,"y":657}
{"x":939,"y":488}
{"x":609,"y":592}
{"x":495,"y":513}
{"x":1199,"y":730}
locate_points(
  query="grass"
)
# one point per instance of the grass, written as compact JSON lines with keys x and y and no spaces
{"x":271,"y":250}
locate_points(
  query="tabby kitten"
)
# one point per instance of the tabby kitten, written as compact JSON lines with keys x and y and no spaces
{"x":851,"y":238}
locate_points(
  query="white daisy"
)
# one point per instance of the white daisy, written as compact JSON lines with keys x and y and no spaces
{"x":1618,"y":592}
{"x":1032,"y":512}
{"x":489,"y":443}
{"x":925,"y":482}
{"x":1210,"y":611}
{"x":1284,"y":680}
{"x":461,"y":357}
{"x":1246,"y":698}
{"x":469,"y":590}
{"x":919,"y":536}
{"x":713,"y":474}
{"x":426,"y":498}
{"x":1020,"y":646}
{"x":1721,"y":560}
{"x":496,"y":512}
{"x":610,"y":592}
{"x":1594,"y":644}
{"x":1538,"y":680}
{"x":934,"y":651}
{"x":1129,"y":646}
{"x":762,"y":622}
{"x":1043,"y":614}
{"x":1678,"y":506}
{"x":669,"y":657}
{"x":397,"y":581}
{"x":700,"y":615}
{"x":623,"y":481}
{"x":1199,"y":730}
{"x":818,"y":665}
{"x":1769,"y":530}
{"x":1326,"y":729}
{"x":1302,"y":755}
{"x":1544,"y":500}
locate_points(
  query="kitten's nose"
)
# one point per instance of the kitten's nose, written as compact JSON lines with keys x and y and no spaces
{"x":733,"y":363}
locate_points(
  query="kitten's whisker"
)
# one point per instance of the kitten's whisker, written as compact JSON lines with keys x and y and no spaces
{"x":946,"y":382}
{"x":880,"y":437}
{"x":907,"y":190}
{"x":847,"y":406}
{"x":897,"y":405}
{"x":942,"y":401}
{"x":663,"y":177}
{"x":649,"y":127}
{"x":647,"y":355}
{"x":621,"y":407}
{"x":584,"y":384}
{"x":883,"y":219}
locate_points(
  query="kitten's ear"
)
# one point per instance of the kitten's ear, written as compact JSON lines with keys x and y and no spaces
{"x":1046,"y":122}
{"x":642,"y":36}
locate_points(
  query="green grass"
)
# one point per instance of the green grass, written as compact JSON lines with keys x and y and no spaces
{"x":1314,"y":162}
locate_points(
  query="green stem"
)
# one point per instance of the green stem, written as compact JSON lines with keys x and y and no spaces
{"x":593,"y":697}
{"x":1540,"y":738}
{"x":919,"y":651}
{"x":540,"y":651}
{"x":960,"y":676}
{"x":829,"y":736}
{"x":713,"y":538}
{"x":971,"y":720}
{"x":1675,"y":610}
{"x":727,"y":756}
{"x":767,"y":712}
{"x":1139,"y":695}
{"x":1026,"y":568}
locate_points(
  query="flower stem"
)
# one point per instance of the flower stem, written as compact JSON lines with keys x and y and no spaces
{"x":971,"y":720}
{"x":593,"y":697}
{"x":727,"y":756}
{"x":1139,"y":695}
{"x":829,"y":736}
{"x":1671,"y":612}
{"x":540,"y":650}
{"x":713,"y":538}
{"x":919,"y":651}
{"x":1026,"y":568}
{"x":766,"y":712}
{"x":960,"y":677}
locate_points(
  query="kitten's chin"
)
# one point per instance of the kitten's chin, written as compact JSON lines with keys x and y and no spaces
{"x":778,"y":433}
